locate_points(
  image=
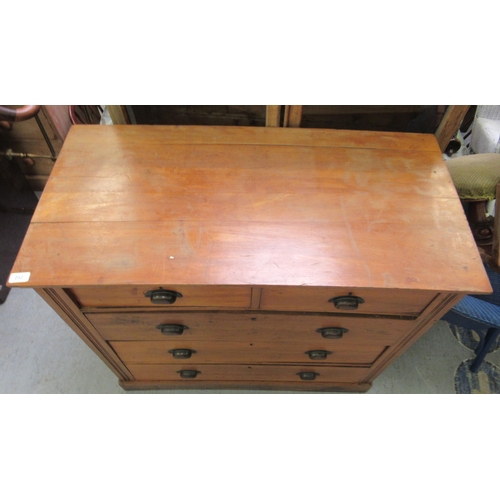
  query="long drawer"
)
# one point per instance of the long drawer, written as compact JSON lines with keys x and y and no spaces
{"x":249,"y":373}
{"x":258,"y":352}
{"x":151,"y":296}
{"x":346,"y":300}
{"x":238,"y":326}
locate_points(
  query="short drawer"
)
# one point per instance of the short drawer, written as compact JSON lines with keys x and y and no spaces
{"x":318,"y":352}
{"x":239,"y":326}
{"x":248,"y":373}
{"x":346,"y":300}
{"x":182,"y":296}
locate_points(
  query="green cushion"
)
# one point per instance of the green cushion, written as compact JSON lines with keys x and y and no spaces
{"x":475,"y":176}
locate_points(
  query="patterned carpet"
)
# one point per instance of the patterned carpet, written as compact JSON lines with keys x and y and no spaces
{"x":487,"y":379}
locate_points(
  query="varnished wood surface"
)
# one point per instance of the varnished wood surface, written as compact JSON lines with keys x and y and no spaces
{"x":305,"y":299}
{"x":256,"y":352}
{"x":391,"y":302}
{"x":251,"y":183}
{"x":250,"y":206}
{"x":73,"y":317}
{"x":263,"y":385}
{"x":309,"y":254}
{"x":192,"y":296}
{"x":125,"y":139}
{"x":225,"y":326}
{"x":246,"y":373}
{"x":442,"y":304}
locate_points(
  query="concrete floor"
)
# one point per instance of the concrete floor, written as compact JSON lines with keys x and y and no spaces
{"x":39,"y":353}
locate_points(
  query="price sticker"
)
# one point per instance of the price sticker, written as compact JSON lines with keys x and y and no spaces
{"x":19,"y":277}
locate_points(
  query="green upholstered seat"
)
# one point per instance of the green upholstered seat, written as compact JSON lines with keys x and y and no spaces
{"x":475,"y":176}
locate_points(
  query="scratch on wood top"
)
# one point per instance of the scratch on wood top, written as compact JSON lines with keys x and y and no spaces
{"x":353,"y":241}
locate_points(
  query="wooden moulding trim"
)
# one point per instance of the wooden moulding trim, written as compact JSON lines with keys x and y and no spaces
{"x":234,"y":310}
{"x":84,"y":329}
{"x":259,"y":386}
{"x":441,"y":304}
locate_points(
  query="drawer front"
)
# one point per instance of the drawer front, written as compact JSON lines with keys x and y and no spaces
{"x":249,"y":373}
{"x":135,"y":296}
{"x":319,"y":352}
{"x":224,"y":326}
{"x":346,"y":300}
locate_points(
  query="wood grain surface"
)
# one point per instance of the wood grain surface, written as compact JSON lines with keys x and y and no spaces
{"x":262,"y":373}
{"x":255,"y":352}
{"x":139,"y":205}
{"x":192,"y":296}
{"x":237,"y":326}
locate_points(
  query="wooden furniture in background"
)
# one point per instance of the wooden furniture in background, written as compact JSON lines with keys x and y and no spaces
{"x":450,"y":124}
{"x":293,"y":116}
{"x":420,"y":119}
{"x":85,"y":114}
{"x":476,"y":179}
{"x":273,"y":116}
{"x":494,"y":258}
{"x":26,"y":137}
{"x":249,"y":257}
{"x":118,"y":115}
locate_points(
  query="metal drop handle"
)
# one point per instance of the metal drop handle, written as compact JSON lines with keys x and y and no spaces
{"x":308,"y":375}
{"x":162,"y":296}
{"x":318,"y":354}
{"x":188,"y":373}
{"x":181,"y":353}
{"x":347,"y":302}
{"x":172,"y":329}
{"x":332,"y":332}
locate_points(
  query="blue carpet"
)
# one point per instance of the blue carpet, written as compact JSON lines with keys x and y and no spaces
{"x":485,"y":381}
{"x":470,"y":338}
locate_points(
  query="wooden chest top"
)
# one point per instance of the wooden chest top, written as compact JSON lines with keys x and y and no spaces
{"x":250,"y":206}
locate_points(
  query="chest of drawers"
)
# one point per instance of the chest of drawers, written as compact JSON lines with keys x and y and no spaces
{"x":228,"y":257}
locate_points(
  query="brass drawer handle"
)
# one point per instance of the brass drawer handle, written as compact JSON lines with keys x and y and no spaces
{"x":181,"y":353}
{"x":347,"y":302}
{"x":162,"y":296}
{"x":318,"y":354}
{"x":307,"y":375}
{"x":171,"y":329}
{"x":332,"y":332}
{"x":188,"y":373}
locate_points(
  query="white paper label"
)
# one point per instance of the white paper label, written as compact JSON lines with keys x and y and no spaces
{"x":19,"y":277}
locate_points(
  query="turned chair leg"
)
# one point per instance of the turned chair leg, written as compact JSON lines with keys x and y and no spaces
{"x":481,"y":225}
{"x":484,"y":346}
